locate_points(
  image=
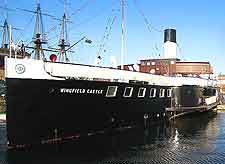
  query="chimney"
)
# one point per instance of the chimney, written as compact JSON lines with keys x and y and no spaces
{"x":170,"y":45}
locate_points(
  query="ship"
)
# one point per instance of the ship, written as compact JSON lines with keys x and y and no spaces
{"x":50,"y":101}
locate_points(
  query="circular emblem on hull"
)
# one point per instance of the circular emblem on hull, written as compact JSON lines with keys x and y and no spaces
{"x":20,"y":68}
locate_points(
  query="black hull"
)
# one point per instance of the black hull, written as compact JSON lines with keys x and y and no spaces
{"x":38,"y":112}
{"x":188,"y":99}
{"x":49,"y":111}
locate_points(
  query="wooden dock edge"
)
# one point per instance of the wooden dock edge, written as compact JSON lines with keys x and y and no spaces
{"x":182,"y":111}
{"x":221,"y":107}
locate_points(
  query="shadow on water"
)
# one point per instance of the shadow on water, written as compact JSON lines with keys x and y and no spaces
{"x":188,"y":139}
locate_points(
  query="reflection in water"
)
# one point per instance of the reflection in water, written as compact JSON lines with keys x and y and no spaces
{"x":176,"y":140}
{"x":194,"y":139}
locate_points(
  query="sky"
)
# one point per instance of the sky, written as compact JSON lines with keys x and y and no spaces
{"x":200,"y":26}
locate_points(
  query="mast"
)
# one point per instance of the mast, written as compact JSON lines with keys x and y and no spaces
{"x":122,"y":32}
{"x":63,"y":42}
{"x":5,"y":39}
{"x":39,"y":37}
{"x":10,"y":41}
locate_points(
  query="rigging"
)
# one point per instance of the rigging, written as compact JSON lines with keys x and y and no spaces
{"x":148,"y":24}
{"x":110,"y":21}
{"x":83,"y":6}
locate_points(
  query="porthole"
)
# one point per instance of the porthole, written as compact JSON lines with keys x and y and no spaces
{"x":128,"y":92}
{"x":169,"y":92}
{"x":152,"y":92}
{"x":162,"y":93}
{"x":141,"y":92}
{"x":111,"y":91}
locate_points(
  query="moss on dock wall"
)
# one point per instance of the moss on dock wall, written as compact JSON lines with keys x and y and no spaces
{"x":2,"y":104}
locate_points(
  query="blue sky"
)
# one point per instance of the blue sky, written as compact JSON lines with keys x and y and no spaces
{"x":200,"y":28}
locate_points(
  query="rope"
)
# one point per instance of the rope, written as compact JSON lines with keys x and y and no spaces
{"x":27,"y":27}
{"x":97,"y":14}
{"x":107,"y":33}
{"x":150,"y":28}
{"x":148,"y":24}
{"x":82,"y":7}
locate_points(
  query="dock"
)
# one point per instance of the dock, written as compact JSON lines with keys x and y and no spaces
{"x":2,"y":118}
{"x":221,"y":107}
{"x":181,"y":111}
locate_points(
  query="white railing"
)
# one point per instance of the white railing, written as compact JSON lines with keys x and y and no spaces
{"x":38,"y":69}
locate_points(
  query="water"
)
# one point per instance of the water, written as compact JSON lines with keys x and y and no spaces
{"x":196,"y":139}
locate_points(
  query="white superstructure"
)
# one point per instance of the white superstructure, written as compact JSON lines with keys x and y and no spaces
{"x":38,"y":69}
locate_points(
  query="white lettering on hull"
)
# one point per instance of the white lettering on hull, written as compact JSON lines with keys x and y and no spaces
{"x":81,"y":91}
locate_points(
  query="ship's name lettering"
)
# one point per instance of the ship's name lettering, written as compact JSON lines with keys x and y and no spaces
{"x":81,"y":91}
{"x":94,"y":91}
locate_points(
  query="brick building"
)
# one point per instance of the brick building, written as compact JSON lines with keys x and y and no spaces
{"x":221,"y":79}
{"x":171,"y":67}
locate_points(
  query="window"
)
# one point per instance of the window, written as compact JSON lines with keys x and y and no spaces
{"x":128,"y":92}
{"x":152,"y":71}
{"x":162,"y":93}
{"x":169,"y":92}
{"x":152,"y":92}
{"x":141,"y":92}
{"x":111,"y":91}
